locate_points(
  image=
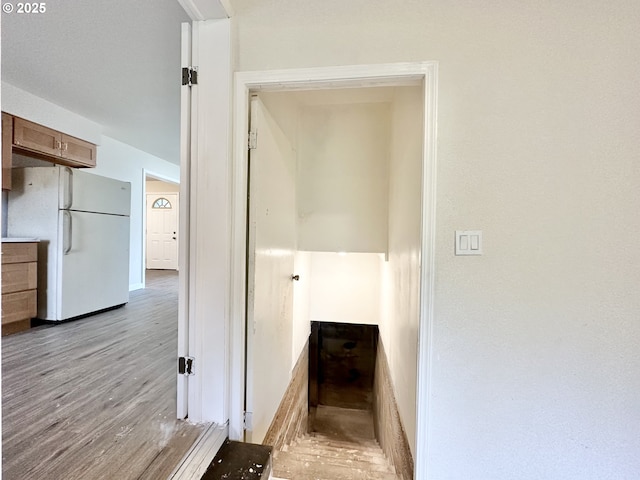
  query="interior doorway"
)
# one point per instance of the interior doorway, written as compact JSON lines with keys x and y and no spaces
{"x":334,"y":181}
{"x":162,"y":220}
{"x":422,"y":75}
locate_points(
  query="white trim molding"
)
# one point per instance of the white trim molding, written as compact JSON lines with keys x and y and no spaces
{"x":396,"y":74}
{"x":427,"y":274}
{"x":200,"y":10}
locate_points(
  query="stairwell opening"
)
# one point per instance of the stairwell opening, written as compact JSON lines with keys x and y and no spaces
{"x":340,"y":442}
{"x":342,"y":361}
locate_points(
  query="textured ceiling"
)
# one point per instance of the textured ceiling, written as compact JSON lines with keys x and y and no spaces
{"x":116,"y":62}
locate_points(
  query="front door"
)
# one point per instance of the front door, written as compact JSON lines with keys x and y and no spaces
{"x":162,"y":231}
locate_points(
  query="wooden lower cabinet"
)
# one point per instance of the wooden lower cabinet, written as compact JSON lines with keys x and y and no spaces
{"x":18,"y":277}
{"x":19,"y":306}
{"x":19,"y":285}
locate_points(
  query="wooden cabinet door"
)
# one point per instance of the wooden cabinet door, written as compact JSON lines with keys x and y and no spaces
{"x":35,"y":137}
{"x":7,"y":140}
{"x":79,"y":151}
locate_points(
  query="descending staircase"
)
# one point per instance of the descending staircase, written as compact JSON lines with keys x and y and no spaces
{"x":343,"y":447}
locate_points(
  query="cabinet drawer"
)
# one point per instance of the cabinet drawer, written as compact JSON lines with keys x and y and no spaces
{"x":17,"y":277}
{"x":19,"y":306}
{"x":19,"y":252}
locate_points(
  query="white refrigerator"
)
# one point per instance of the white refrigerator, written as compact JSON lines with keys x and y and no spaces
{"x":82,"y":222}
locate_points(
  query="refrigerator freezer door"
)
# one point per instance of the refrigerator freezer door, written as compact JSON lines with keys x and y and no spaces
{"x":88,"y":192}
{"x":94,"y":262}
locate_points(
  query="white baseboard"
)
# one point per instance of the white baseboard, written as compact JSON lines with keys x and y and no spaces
{"x":136,"y":286}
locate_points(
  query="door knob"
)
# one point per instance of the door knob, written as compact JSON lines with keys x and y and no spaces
{"x":295,"y":277}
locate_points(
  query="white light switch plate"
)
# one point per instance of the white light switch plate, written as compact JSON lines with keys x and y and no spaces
{"x":468,"y":242}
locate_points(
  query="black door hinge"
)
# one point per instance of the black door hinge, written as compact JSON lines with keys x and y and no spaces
{"x":189,"y":76}
{"x":185,"y":365}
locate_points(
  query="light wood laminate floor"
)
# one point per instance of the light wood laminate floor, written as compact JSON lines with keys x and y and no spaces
{"x":96,"y":398}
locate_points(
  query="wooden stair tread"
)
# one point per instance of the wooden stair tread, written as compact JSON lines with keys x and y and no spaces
{"x":344,"y":424}
{"x":338,"y":461}
{"x":294,"y":469}
{"x":371,"y":451}
{"x":320,"y":440}
{"x":321,"y":457}
{"x":337,"y":452}
{"x":341,"y":447}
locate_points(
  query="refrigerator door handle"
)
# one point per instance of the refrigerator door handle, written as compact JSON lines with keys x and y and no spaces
{"x":68,"y":234}
{"x":69,"y":189}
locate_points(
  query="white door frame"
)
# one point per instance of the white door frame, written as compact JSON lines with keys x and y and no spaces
{"x":423,"y":73}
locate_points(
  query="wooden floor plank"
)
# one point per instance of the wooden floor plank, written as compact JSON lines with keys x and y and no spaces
{"x":96,"y":398}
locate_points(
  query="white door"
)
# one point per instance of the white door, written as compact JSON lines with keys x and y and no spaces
{"x":162,"y":231}
{"x":182,"y":388}
{"x":270,"y":260}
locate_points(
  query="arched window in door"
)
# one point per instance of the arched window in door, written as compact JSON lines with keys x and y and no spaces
{"x":161,"y":203}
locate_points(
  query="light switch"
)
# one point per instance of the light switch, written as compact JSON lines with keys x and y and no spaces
{"x":464,"y":242}
{"x":468,"y":242}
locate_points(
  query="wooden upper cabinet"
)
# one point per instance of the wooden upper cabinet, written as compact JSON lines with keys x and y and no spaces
{"x":7,"y":140}
{"x":78,"y":150}
{"x":36,"y":137}
{"x":52,"y":145}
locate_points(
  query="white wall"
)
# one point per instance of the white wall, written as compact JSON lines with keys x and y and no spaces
{"x":115,"y":159}
{"x":346,"y":288}
{"x":157,"y":186}
{"x":535,"y":343}
{"x":401,"y":274}
{"x":301,"y":304}
{"x":343,"y":155}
